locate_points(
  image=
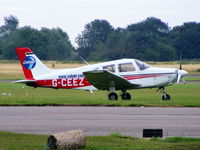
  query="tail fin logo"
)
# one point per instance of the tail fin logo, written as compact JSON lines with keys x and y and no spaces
{"x":29,"y":62}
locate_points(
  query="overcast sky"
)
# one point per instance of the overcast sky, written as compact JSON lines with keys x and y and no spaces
{"x":73,"y":15}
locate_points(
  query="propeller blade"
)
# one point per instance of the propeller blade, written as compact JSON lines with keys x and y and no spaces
{"x":178,"y":78}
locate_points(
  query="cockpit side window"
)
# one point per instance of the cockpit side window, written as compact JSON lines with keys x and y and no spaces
{"x":126,"y":67}
{"x":110,"y":68}
{"x":142,"y":65}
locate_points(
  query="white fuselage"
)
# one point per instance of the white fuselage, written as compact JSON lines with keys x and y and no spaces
{"x":148,"y":77}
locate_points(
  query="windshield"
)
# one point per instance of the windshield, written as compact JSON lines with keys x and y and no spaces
{"x":142,"y":65}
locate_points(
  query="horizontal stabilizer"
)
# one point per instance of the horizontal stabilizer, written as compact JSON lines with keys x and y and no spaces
{"x":25,"y":81}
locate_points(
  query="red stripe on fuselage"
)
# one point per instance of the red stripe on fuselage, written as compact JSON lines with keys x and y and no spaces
{"x":70,"y":83}
{"x":141,"y":76}
{"x":67,"y":83}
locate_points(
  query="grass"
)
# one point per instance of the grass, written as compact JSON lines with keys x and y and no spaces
{"x":192,"y":79}
{"x":18,"y":141}
{"x":181,"y":139}
{"x":19,"y":94}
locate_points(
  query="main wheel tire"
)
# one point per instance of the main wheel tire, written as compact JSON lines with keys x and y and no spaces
{"x":165,"y":97}
{"x":113,"y":96}
{"x":126,"y":96}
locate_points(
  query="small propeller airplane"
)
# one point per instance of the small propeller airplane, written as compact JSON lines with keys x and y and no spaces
{"x":123,"y":74}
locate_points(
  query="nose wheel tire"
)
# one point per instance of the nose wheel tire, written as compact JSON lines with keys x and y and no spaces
{"x":112,"y":96}
{"x":126,"y":96}
{"x":165,"y":97}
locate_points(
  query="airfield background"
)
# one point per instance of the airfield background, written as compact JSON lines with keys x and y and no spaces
{"x":151,"y":39}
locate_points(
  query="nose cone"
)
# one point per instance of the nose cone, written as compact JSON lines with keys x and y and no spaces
{"x":180,"y":75}
{"x":182,"y":72}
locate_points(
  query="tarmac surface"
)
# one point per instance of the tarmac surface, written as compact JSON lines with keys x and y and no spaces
{"x":101,"y":120}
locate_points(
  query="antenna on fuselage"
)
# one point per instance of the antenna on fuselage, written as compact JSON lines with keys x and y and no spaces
{"x":84,"y":60}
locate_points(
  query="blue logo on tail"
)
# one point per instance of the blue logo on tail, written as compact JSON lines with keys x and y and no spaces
{"x":29,"y":62}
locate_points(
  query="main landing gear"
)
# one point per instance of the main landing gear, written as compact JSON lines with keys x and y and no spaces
{"x":124,"y":96}
{"x":165,"y":97}
{"x":113,"y":96}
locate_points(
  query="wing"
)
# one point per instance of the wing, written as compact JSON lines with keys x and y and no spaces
{"x":104,"y":79}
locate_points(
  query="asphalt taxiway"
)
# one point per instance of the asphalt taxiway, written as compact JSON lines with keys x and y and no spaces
{"x":101,"y":120}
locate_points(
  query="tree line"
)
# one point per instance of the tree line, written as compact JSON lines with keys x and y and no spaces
{"x":47,"y":44}
{"x":151,"y":39}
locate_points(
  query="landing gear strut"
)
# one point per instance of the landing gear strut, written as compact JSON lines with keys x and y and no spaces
{"x":165,"y":97}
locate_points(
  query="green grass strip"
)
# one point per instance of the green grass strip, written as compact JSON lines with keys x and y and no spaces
{"x":18,"y":141}
{"x":182,"y":95}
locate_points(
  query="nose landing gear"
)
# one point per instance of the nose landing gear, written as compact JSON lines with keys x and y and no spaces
{"x":165,"y":97}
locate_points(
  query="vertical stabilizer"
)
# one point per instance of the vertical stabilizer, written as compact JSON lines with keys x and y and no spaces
{"x":31,"y":64}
